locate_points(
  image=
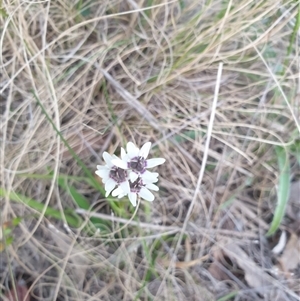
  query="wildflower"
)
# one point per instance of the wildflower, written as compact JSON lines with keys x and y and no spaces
{"x":135,"y":161}
{"x":130,"y":173}
{"x":139,"y":187}
{"x":112,"y":175}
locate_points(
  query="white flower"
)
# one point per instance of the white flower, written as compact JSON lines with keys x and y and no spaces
{"x":112,"y":175}
{"x":135,"y":161}
{"x":140,"y":188}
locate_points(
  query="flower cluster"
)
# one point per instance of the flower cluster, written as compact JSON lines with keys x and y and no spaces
{"x":129,"y":175}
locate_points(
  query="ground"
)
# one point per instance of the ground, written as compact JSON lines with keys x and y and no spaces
{"x":214,"y":86}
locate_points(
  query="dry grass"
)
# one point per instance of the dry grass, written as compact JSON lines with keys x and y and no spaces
{"x":118,"y":71}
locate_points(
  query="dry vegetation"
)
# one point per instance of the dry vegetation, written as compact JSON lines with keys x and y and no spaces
{"x":108,"y":72}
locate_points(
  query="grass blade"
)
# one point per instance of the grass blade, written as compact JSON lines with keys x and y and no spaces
{"x":72,"y":219}
{"x":295,"y":31}
{"x":70,"y":149}
{"x":78,"y":198}
{"x":283,"y":189}
{"x":88,"y":173}
{"x":228,"y":296}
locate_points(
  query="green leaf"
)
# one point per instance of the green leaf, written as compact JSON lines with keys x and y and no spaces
{"x":4,"y":243}
{"x":228,"y":296}
{"x":7,"y":231}
{"x":9,"y":240}
{"x":72,"y":219}
{"x":295,"y":150}
{"x":16,"y":221}
{"x":79,"y":199}
{"x":295,"y":31}
{"x":283,"y":192}
{"x":3,"y":13}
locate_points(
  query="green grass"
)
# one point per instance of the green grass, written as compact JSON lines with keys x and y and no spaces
{"x":85,"y":169}
{"x":72,"y":218}
{"x":228,"y":296}
{"x":283,"y":190}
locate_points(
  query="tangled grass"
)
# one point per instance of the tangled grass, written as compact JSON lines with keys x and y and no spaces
{"x":213,"y":84}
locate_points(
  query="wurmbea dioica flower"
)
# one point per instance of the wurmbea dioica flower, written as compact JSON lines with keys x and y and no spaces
{"x":130,"y":173}
{"x":140,"y":188}
{"x":135,"y":161}
{"x":112,"y":175}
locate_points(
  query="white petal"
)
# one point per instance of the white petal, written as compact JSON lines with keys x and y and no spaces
{"x":146,"y":194}
{"x":109,"y":186}
{"x":151,"y":177}
{"x":125,"y":187}
{"x":105,"y":179}
{"x":102,"y":167}
{"x":154,"y":162}
{"x":132,"y":150}
{"x":123,"y":153}
{"x":152,"y":187}
{"x":144,"y":151}
{"x":133,"y":176}
{"x":121,"y":195}
{"x":132,"y":198}
{"x":117,"y":191}
{"x":107,"y":158}
{"x":102,"y":173}
{"x":120,"y":163}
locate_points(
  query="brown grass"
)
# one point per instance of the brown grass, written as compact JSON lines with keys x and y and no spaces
{"x":117,"y":72}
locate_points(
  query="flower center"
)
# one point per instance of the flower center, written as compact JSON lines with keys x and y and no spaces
{"x":118,"y":174}
{"x":136,"y":185}
{"x":137,"y":164}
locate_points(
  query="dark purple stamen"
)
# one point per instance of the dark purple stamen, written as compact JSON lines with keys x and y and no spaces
{"x":118,"y":174}
{"x":136,"y":185}
{"x":138,"y":164}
